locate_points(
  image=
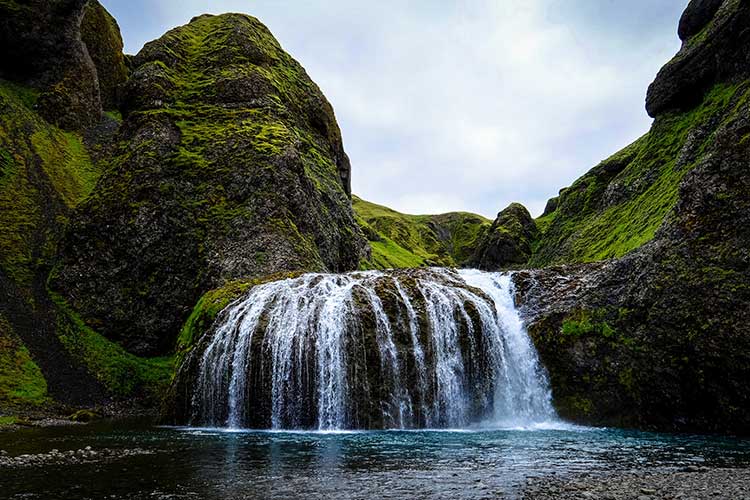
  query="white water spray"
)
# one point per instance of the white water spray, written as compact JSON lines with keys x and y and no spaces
{"x":399,"y":349}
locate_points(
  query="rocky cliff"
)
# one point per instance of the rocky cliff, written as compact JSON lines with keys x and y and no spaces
{"x":658,"y":338}
{"x":229,"y":163}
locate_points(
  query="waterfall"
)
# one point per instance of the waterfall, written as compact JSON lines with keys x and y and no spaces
{"x":423,"y":348}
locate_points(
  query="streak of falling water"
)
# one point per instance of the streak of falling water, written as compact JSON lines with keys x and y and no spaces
{"x":300,"y":353}
{"x":524,"y":396}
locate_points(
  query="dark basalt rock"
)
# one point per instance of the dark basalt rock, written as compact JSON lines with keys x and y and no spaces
{"x":716,"y":47}
{"x":696,"y":16}
{"x":42,"y":45}
{"x":659,"y":339}
{"x":230,"y":164}
{"x":508,"y":241}
{"x":101,"y":36}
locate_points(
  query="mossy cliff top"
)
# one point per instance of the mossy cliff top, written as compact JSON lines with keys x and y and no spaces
{"x":715,"y":48}
{"x":229,"y":165}
{"x":402,"y":240}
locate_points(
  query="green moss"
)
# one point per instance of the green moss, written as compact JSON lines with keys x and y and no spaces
{"x":646,"y":175}
{"x":39,"y":164}
{"x":6,"y":421}
{"x":66,"y":163}
{"x":582,"y":322}
{"x":7,"y":165}
{"x":27,"y":96}
{"x":123,"y":374}
{"x":212,"y":303}
{"x":388,"y":255}
{"x":575,"y":405}
{"x":21,"y":380}
{"x":84,"y":415}
{"x":402,"y":240}
{"x":115,"y":115}
{"x":206,"y":310}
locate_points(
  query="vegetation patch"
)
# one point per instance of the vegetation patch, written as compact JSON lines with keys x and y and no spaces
{"x":212,"y":303}
{"x":21,"y":380}
{"x":44,"y":171}
{"x":122,"y":373}
{"x":402,"y":240}
{"x":583,"y":322}
{"x":618,"y":205}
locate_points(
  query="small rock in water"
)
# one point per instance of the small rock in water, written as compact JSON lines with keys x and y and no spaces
{"x":647,"y":491}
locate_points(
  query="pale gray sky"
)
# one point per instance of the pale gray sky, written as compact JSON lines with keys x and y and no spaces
{"x":465,"y":105}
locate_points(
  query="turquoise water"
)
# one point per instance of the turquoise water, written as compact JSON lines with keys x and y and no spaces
{"x":188,"y":463}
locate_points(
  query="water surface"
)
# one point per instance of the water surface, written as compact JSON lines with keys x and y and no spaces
{"x":187,"y":463}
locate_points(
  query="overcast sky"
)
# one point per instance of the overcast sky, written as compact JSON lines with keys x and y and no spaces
{"x":465,"y":105}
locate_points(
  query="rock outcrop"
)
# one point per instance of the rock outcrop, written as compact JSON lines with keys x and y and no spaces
{"x":508,"y":241}
{"x":658,"y":338}
{"x":230,"y":164}
{"x":715,"y":48}
{"x":70,"y":50}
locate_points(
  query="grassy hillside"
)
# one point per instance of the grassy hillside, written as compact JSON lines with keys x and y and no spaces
{"x":403,"y":240}
{"x":618,"y":205}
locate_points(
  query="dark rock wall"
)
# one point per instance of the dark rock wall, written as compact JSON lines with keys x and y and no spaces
{"x":42,"y":45}
{"x":659,"y":339}
{"x":715,"y":47}
{"x":230,"y":164}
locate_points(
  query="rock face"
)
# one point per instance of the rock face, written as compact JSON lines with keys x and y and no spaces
{"x":715,"y":47}
{"x":659,"y":338}
{"x":508,"y":241}
{"x":101,"y":36}
{"x":43,"y":44}
{"x":620,"y":204}
{"x":230,"y":164}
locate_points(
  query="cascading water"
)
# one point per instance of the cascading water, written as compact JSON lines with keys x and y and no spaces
{"x":432,"y":348}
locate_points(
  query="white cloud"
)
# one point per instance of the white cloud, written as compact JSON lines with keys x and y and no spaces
{"x":468,"y":105}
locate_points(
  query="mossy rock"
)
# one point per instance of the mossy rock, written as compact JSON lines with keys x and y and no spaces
{"x":508,"y":242}
{"x":230,"y":166}
{"x":101,"y":36}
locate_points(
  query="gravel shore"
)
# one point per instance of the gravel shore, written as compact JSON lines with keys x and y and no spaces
{"x":686,"y":484}
{"x":68,"y":457}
